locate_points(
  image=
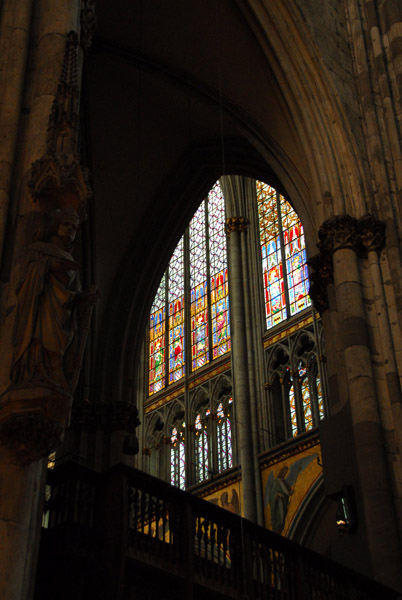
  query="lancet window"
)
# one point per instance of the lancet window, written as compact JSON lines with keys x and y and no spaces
{"x":189,"y":334}
{"x":192,"y":300}
{"x":283,"y":255}
{"x":296,"y":402}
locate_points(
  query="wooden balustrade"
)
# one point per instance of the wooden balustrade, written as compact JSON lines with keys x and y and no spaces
{"x":140,"y":520}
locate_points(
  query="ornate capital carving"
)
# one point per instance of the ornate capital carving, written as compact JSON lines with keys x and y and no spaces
{"x":88,"y":23}
{"x":236,"y":224}
{"x":372,"y":233}
{"x":339,"y":232}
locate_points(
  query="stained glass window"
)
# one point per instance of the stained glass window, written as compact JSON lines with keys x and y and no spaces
{"x":178,"y":457}
{"x":292,"y":405}
{"x":283,"y":256}
{"x":196,"y":278}
{"x":306,"y":400}
{"x":219,"y":273}
{"x":199,"y":289}
{"x":320,"y":399}
{"x":176,"y":314}
{"x":224,"y":438}
{"x":157,"y":340}
{"x":201,"y":449}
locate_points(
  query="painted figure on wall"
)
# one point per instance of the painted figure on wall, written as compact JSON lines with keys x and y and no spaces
{"x":278,"y":490}
{"x":51,"y":310}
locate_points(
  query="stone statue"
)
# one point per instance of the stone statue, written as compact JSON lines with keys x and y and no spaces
{"x":52,"y":313}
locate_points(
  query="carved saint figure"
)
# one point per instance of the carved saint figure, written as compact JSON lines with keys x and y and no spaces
{"x":50,"y":308}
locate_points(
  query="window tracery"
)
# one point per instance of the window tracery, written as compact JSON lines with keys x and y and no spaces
{"x":189,"y":329}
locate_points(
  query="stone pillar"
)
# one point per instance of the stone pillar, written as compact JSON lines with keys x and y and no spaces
{"x":34,"y":411}
{"x":340,"y":237}
{"x":14,"y":35}
{"x":235,"y":228}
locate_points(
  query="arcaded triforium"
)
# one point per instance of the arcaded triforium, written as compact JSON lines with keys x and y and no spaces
{"x":50,"y":330}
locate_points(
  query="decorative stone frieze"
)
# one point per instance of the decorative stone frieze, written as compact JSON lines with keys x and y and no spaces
{"x":236,"y":224}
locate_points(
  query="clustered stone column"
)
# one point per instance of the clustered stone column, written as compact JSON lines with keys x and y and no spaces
{"x":235,"y":228}
{"x":342,"y":240}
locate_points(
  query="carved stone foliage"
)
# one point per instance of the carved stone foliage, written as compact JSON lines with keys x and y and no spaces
{"x":57,"y":178}
{"x":88,"y":23}
{"x":372,"y":233}
{"x":341,"y":231}
{"x":236,"y":224}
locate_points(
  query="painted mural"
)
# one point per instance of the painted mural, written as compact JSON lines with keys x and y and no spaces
{"x":227,"y":497}
{"x":286,"y":483}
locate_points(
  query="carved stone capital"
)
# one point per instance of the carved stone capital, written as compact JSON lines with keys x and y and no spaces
{"x":236,"y":224}
{"x":88,"y":23}
{"x":339,"y":232}
{"x":372,"y":233}
{"x":33,"y":420}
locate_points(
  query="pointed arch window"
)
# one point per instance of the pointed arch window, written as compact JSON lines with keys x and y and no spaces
{"x":283,"y":256}
{"x":197,"y":278}
{"x":224,"y":437}
{"x":178,"y":456}
{"x":201,"y":448}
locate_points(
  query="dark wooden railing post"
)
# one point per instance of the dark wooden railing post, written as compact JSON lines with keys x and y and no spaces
{"x":188,"y":545}
{"x":248,"y":558}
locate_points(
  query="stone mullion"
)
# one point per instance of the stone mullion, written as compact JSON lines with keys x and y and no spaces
{"x":368,"y":435}
{"x":234,"y":228}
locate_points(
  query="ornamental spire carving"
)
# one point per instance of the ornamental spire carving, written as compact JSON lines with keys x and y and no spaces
{"x":57,"y":179}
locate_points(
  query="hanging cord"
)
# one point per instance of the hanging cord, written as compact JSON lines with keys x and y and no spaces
{"x":218,"y":21}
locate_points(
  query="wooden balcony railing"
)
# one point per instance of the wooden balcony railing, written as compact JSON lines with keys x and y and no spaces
{"x":135,"y":521}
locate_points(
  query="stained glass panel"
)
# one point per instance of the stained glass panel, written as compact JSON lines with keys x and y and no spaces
{"x":157,"y":340}
{"x":201,"y":449}
{"x":176,"y":314}
{"x":219,"y":273}
{"x":292,"y":406}
{"x":199,"y":290}
{"x":274,"y":290}
{"x":224,"y":438}
{"x":177,"y":459}
{"x":307,"y":413}
{"x":295,"y":255}
{"x":320,"y":400}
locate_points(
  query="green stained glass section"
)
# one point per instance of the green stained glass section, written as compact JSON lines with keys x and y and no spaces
{"x":157,"y":324}
{"x":296,"y":260}
{"x":198,"y":289}
{"x":271,"y":256}
{"x":220,"y":317}
{"x":176,"y":314}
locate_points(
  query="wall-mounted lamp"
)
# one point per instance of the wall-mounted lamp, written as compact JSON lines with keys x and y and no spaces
{"x":346,"y":511}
